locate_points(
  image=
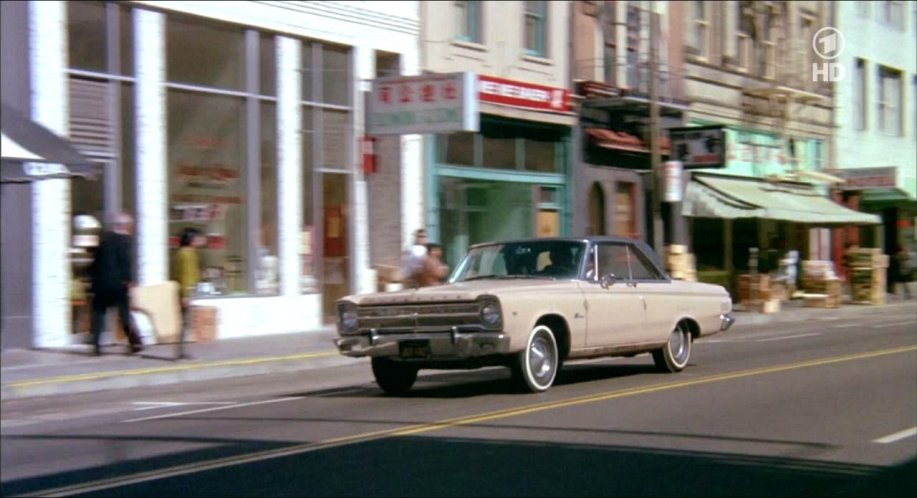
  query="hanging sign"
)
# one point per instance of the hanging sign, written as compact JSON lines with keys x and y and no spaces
{"x":429,"y":103}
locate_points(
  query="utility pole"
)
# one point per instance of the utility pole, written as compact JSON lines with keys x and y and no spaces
{"x":658,"y":234}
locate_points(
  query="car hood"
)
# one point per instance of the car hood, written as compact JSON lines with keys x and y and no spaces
{"x":460,"y":291}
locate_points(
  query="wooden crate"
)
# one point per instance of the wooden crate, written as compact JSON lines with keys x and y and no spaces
{"x":820,"y":301}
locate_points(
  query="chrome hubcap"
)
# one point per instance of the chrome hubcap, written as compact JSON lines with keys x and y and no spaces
{"x":541,"y":358}
{"x":678,"y":345}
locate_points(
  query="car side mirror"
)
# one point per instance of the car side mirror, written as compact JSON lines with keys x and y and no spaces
{"x":608,"y":280}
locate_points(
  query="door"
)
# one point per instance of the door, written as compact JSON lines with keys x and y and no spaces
{"x":615,"y":315}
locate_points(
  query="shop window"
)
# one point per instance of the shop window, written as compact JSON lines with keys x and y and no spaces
{"x":268,"y":65}
{"x":336,"y":75}
{"x":499,"y":153}
{"x":541,"y":156}
{"x":207,"y":188}
{"x":336,"y":139}
{"x":127,"y":148}
{"x":200,"y":53}
{"x":458,"y":148}
{"x":267,"y":275}
{"x":308,"y":74}
{"x":87,"y":35}
{"x":307,"y":246}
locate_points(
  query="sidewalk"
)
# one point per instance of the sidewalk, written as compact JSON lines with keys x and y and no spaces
{"x":45,"y":372}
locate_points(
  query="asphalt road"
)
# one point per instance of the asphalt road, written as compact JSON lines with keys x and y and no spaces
{"x":822,"y":408}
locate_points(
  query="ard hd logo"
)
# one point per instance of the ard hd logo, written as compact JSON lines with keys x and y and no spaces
{"x":828,"y":44}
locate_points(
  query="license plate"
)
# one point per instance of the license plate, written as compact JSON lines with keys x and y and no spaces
{"x":414,"y":349}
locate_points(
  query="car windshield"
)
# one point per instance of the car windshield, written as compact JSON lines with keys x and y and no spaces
{"x":530,"y":259}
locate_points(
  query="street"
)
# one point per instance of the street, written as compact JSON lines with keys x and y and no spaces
{"x":826,"y":407}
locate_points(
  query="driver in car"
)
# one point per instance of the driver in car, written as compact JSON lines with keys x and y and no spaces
{"x":561,"y":263}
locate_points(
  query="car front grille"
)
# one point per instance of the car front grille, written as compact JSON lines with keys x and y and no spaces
{"x":439,"y":316}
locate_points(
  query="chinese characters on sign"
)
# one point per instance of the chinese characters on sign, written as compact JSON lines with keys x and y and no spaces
{"x":698,"y":147}
{"x":436,"y":103}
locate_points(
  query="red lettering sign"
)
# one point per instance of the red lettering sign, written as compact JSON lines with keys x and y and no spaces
{"x":449,"y":91}
{"x":522,"y":94}
{"x":385,"y":94}
{"x":406,"y":93}
{"x":428,"y":93}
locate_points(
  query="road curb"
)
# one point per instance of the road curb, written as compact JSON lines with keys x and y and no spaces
{"x":186,"y":372}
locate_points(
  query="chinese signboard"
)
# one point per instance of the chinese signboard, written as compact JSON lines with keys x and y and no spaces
{"x":430,"y":103}
{"x":521,"y":94}
{"x":866,"y":178}
{"x":699,"y":147}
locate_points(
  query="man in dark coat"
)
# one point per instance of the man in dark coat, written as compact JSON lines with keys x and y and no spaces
{"x":112,"y":277}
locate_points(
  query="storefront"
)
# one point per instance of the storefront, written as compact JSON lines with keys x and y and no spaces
{"x":234,"y":120}
{"x":509,"y":179}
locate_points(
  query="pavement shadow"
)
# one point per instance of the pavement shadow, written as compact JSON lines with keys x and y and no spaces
{"x":448,"y":466}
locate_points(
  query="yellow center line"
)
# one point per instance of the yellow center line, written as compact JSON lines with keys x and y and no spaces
{"x":448,"y":423}
{"x":176,"y":368}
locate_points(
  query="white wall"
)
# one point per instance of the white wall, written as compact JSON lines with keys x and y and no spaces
{"x":870,"y":38}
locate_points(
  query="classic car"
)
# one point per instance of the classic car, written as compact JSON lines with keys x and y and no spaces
{"x":531,"y":305}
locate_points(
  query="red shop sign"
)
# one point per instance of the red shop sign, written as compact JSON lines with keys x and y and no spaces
{"x":521,"y":94}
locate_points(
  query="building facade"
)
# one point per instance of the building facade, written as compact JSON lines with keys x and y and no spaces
{"x":509,"y":179}
{"x":876,"y":118}
{"x":748,"y":68}
{"x":241,"y":119}
{"x":614,"y":180}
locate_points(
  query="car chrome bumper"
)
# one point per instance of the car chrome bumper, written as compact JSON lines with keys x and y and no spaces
{"x":726,"y":321}
{"x":444,"y":345}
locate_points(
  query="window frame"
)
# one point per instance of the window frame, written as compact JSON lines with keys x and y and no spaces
{"x":540,"y":18}
{"x":701,"y":21}
{"x":889,"y":112}
{"x":470,"y":21}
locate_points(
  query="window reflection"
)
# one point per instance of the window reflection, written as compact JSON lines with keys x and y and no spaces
{"x":200,"y":53}
{"x":207,"y":184}
{"x":336,"y":75}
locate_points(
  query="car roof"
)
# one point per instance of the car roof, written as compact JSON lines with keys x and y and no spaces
{"x":584,"y":239}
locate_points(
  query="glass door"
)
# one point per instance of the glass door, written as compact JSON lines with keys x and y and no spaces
{"x":336,"y":242}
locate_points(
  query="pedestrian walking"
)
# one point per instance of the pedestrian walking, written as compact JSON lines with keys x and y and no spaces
{"x":432,"y":271}
{"x":903,"y":273}
{"x":111,"y":278}
{"x":414,"y":258}
{"x":187,"y":272}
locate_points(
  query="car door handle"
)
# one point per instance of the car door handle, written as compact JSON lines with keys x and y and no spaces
{"x":642,"y":300}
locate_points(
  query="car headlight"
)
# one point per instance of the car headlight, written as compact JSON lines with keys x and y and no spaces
{"x":347,"y":318}
{"x":491,"y":314}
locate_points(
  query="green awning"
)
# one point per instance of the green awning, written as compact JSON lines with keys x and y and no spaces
{"x":710,"y":196}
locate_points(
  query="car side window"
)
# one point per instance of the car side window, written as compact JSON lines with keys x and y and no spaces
{"x":613,"y":258}
{"x":641,"y":267}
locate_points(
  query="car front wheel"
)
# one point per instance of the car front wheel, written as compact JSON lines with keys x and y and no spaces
{"x":536,"y":367}
{"x":674,"y":356}
{"x":395,"y":378}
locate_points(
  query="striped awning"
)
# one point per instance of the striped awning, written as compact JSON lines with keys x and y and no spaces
{"x":709,"y":196}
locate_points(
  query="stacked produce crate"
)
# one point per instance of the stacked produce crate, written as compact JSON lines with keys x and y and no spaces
{"x":868,"y":281}
{"x":680,"y":263}
{"x":821,"y":285}
{"x":755,"y":294}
